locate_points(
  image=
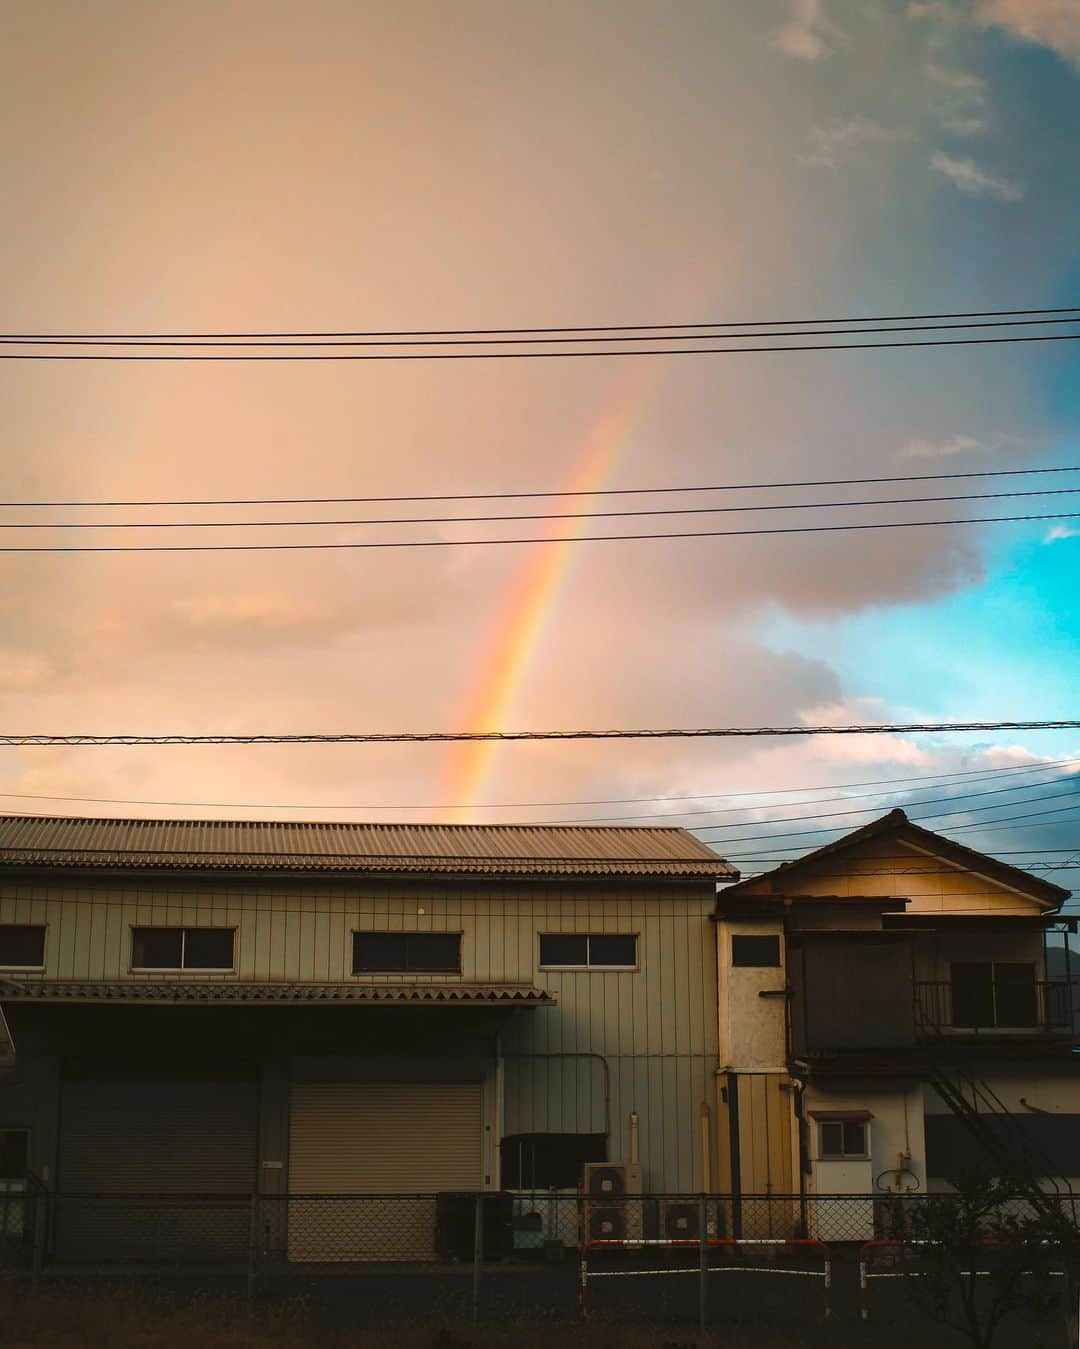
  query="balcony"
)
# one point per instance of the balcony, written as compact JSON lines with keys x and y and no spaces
{"x":946,"y":1008}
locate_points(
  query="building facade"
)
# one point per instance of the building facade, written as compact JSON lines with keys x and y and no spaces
{"x":887,"y":1024}
{"x":307,"y":1009}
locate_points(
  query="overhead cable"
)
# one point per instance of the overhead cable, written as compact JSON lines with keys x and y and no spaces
{"x":449,"y":737}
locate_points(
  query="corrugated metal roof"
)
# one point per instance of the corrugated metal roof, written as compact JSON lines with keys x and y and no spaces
{"x":271,"y":845}
{"x":171,"y":991}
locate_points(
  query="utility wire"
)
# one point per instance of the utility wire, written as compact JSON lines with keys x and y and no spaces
{"x":506,"y":519}
{"x":534,"y":355}
{"x":542,"y":539}
{"x":537,"y":340}
{"x":517,"y":496}
{"x":1072,"y":795}
{"x":565,"y":328}
{"x":446,"y":737}
{"x":946,"y":779}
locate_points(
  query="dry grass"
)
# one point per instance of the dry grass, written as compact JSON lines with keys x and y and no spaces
{"x":72,"y":1319}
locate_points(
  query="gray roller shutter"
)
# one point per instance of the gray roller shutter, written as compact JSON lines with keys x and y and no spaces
{"x":134,"y":1154}
{"x":378,"y":1139}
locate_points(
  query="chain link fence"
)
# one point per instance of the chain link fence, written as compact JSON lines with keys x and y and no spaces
{"x":492,"y":1254}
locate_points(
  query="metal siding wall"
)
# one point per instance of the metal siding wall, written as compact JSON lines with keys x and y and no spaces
{"x":656,"y":1026}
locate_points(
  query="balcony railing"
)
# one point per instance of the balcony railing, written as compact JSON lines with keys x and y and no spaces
{"x":1049,"y":1011}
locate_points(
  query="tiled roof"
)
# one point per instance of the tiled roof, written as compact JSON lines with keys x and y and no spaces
{"x":288,"y":994}
{"x":265,"y":845}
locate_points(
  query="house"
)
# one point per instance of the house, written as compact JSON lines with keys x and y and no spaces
{"x":886,"y":1022}
{"x":222,"y":1007}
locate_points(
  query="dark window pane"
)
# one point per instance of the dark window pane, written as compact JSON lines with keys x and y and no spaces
{"x":972,"y":994}
{"x":22,"y":944}
{"x":13,"y":1154}
{"x":1014,"y":994}
{"x":755,"y":952}
{"x":435,"y":952}
{"x":832,"y":1138}
{"x":545,"y":1161}
{"x":564,"y":948}
{"x":379,"y":951}
{"x":854,"y":1138}
{"x":618,"y":949}
{"x":208,"y":948}
{"x":157,"y":948}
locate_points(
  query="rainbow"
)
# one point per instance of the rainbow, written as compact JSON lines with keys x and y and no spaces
{"x":522,"y":622}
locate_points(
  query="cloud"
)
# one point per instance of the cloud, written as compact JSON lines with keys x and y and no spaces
{"x":1059,"y":532}
{"x":803,"y":37}
{"x":1045,"y":23}
{"x":942,"y":10}
{"x":939,"y":449}
{"x":829,"y":144}
{"x":23,"y":671}
{"x":965,"y":126}
{"x":969,"y":177}
{"x":954,"y":79}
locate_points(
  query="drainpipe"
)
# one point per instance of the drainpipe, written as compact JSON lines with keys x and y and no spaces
{"x":634,"y":1152}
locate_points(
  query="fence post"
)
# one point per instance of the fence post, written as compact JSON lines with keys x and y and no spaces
{"x":703,"y":1260}
{"x":478,"y":1255}
{"x":38,"y":1259}
{"x":253,"y":1252}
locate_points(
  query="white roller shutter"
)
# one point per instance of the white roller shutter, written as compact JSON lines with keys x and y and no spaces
{"x":378,"y":1139}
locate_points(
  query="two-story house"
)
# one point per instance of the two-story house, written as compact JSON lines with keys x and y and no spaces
{"x":299,"y":1009}
{"x":886,"y":1021}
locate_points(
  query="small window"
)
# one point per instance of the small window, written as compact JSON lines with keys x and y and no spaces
{"x":406,"y":953}
{"x":839,"y":1138}
{"x":548,"y":1161}
{"x":588,"y":951}
{"x":182,"y":948}
{"x":22,"y":946}
{"x":13,"y":1154}
{"x":755,"y":952}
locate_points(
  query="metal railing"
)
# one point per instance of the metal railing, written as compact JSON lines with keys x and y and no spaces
{"x":1050,"y":1011}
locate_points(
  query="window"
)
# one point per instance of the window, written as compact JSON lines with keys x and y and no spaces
{"x":182,"y":948}
{"x":988,"y":994}
{"x":406,"y":953}
{"x":22,"y":946}
{"x":546,"y":1161}
{"x":588,"y":951}
{"x":839,"y":1138}
{"x":755,"y":952}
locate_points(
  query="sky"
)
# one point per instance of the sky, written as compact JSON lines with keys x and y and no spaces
{"x":264,"y":166}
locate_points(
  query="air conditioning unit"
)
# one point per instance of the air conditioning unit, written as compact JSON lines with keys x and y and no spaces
{"x":613,"y":1209}
{"x":680,"y":1219}
{"x":611,"y":1180}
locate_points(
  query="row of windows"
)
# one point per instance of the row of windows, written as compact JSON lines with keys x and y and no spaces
{"x":22,"y":946}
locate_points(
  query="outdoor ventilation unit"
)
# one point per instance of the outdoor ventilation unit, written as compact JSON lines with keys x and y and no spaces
{"x":680,"y":1220}
{"x":612,"y":1180}
{"x":613,"y":1210}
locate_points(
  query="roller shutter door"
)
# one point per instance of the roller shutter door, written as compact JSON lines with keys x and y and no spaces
{"x":378,"y":1139}
{"x":143,"y":1150}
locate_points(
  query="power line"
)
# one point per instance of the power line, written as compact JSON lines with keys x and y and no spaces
{"x":505,"y":519}
{"x":1073,"y":795}
{"x":535,"y":340}
{"x":979,"y":774}
{"x":515,"y":496}
{"x":564,"y":328}
{"x":447,"y":737}
{"x":535,"y":355}
{"x":561,"y":538}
